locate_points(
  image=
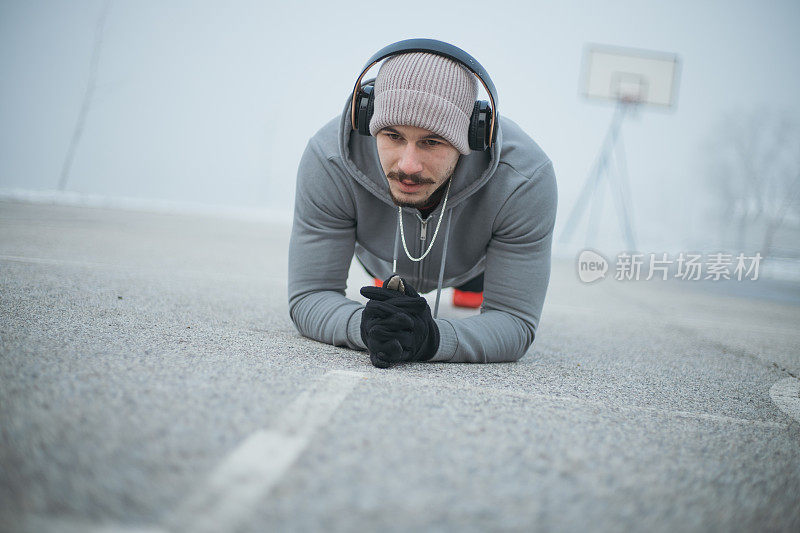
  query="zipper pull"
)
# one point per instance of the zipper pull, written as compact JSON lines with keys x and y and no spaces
{"x":423,"y":234}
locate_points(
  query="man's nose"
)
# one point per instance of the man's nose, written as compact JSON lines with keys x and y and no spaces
{"x":410,"y":161}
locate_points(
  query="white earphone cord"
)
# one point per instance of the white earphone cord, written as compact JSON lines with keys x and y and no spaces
{"x":433,"y":239}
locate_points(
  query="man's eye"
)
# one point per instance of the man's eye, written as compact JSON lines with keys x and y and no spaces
{"x":393,"y":136}
{"x":431,"y":142}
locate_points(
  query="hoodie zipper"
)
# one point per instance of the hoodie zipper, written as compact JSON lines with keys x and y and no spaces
{"x":423,"y":237}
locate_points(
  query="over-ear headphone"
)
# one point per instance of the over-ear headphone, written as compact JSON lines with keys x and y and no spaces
{"x":483,"y":122}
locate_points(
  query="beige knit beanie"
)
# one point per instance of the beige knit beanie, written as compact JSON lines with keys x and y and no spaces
{"x":428,"y":91}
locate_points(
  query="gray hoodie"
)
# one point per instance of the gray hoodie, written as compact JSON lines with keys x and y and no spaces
{"x":499,"y":220}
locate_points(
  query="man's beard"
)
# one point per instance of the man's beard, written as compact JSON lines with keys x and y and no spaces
{"x":423,"y":202}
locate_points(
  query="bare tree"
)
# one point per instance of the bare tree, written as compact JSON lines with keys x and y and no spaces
{"x":783,"y":196}
{"x":753,"y":170}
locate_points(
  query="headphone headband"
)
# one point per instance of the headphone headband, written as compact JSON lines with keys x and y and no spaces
{"x":441,"y":48}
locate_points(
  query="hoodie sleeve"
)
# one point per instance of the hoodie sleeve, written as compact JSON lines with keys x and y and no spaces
{"x":515,"y":281}
{"x":320,"y":252}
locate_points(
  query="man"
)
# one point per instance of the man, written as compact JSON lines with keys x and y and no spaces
{"x":373,"y":195}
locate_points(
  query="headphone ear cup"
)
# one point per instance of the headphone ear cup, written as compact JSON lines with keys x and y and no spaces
{"x":370,"y":108}
{"x":478,"y":133}
{"x":366,"y":107}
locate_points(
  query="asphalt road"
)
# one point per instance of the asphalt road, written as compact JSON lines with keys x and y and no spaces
{"x":151,"y":380}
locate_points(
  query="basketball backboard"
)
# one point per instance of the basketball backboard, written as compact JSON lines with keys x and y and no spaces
{"x":630,"y":75}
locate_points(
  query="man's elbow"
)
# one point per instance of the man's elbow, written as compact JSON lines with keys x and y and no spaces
{"x":529,"y":334}
{"x":298,"y":313}
{"x":523,"y":345}
{"x":298,"y":325}
{"x":295,"y":309}
{"x":526,"y":346}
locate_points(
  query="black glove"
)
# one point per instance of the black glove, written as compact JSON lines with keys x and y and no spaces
{"x":397,"y":325}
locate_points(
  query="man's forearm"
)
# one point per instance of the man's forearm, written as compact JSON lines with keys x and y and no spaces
{"x":329,"y":317}
{"x":491,"y":337}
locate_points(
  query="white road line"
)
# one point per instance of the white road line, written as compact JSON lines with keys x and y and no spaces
{"x":602,"y":405}
{"x":786,"y":395}
{"x":236,"y":486}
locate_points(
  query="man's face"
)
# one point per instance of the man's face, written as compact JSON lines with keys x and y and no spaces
{"x":416,"y":162}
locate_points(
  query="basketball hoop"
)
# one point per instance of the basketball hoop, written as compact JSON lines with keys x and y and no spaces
{"x":631,"y":78}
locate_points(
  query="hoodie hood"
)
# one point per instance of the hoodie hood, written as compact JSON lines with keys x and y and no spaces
{"x":359,"y":155}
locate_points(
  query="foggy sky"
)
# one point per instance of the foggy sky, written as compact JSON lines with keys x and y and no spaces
{"x":213,"y":102}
